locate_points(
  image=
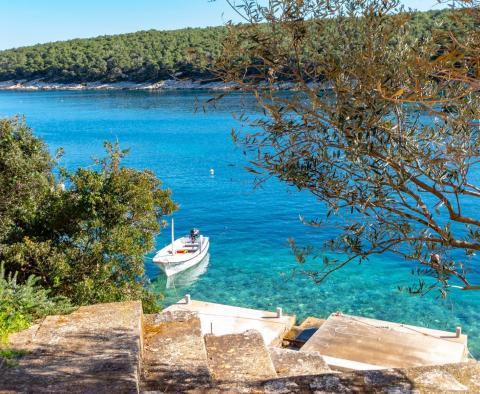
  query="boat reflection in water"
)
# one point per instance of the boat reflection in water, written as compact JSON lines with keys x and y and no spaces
{"x":189,"y":276}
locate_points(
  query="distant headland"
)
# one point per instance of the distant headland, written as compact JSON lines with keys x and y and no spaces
{"x":145,"y":60}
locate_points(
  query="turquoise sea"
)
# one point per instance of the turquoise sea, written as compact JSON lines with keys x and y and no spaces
{"x":250,"y":261}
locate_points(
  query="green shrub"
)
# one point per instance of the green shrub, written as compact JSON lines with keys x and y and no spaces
{"x":23,"y":303}
{"x":85,"y":236}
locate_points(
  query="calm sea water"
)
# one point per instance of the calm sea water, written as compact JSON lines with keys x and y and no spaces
{"x":250,"y":261}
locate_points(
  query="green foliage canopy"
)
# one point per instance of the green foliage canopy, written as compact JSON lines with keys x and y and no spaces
{"x":85,"y":240}
{"x":142,"y":56}
{"x":365,"y":142}
{"x":22,"y":303}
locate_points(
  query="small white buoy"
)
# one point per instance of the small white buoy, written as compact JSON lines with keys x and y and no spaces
{"x":212,"y":172}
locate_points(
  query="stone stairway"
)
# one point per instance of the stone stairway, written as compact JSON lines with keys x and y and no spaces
{"x":238,"y":358}
{"x":114,"y":348}
{"x":241,"y":363}
{"x":174,"y":356}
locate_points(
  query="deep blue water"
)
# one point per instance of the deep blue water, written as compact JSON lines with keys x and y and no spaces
{"x":250,"y":261}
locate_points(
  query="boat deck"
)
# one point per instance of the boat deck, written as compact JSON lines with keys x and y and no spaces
{"x":225,"y":319}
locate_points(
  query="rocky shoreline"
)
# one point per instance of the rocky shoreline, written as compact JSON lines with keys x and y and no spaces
{"x":33,"y":85}
{"x":169,"y":84}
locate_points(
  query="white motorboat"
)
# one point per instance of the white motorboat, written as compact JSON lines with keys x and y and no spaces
{"x":182,"y":253}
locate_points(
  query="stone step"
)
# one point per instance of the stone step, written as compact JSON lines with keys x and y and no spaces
{"x":237,"y":358}
{"x":94,"y":349}
{"x":294,"y":363}
{"x":174,"y":356}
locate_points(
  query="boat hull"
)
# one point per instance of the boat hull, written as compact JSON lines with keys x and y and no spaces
{"x":172,"y":265}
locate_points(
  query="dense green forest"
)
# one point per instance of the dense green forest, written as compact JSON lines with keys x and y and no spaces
{"x":143,"y":56}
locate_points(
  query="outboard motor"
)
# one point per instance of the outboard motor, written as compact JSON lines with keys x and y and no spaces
{"x":194,"y":234}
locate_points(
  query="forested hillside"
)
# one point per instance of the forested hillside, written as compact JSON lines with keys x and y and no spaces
{"x":139,"y":57}
{"x":142,"y":56}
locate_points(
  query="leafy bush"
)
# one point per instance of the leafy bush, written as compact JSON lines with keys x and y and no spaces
{"x":83,"y":237}
{"x":23,"y":303}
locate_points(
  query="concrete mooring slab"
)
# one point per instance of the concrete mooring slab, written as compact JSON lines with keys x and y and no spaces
{"x":353,"y":342}
{"x":218,"y":319}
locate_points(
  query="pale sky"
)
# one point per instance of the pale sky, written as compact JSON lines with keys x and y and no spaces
{"x":28,"y":22}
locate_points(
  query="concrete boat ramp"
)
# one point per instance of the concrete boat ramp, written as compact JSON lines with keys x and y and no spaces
{"x":345,"y":342}
{"x":351,"y":342}
{"x":218,"y":319}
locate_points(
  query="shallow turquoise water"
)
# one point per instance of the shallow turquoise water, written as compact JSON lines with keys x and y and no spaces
{"x":250,"y":262}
